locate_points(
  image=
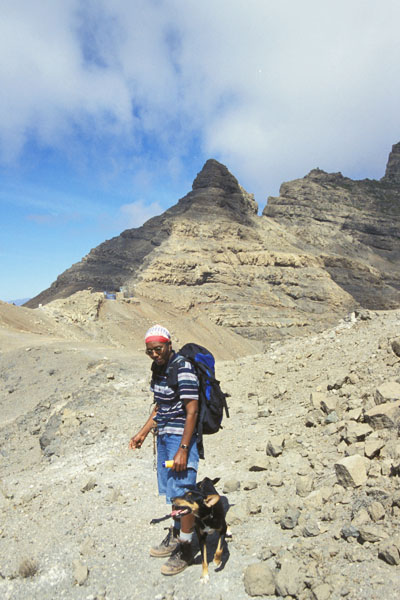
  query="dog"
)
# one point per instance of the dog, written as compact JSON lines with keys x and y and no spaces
{"x":206,"y":505}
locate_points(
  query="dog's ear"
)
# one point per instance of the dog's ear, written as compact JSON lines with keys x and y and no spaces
{"x":211,"y":500}
{"x":214,"y":481}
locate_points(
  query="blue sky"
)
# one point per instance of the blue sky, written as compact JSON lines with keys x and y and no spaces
{"x":108,"y":109}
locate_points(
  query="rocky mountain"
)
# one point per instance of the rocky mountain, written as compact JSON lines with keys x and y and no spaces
{"x":353,"y":225}
{"x":326,"y":246}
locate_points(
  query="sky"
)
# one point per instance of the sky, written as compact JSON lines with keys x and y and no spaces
{"x":110,"y":108}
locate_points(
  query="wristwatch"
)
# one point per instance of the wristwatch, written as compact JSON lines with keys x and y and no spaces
{"x":185,"y":446}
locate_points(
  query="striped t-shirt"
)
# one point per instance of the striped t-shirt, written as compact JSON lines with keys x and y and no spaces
{"x":171,"y":414}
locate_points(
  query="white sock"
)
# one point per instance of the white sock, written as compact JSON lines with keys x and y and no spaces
{"x":185,"y":537}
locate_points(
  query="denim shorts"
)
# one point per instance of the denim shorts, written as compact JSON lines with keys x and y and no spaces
{"x":172,"y":483}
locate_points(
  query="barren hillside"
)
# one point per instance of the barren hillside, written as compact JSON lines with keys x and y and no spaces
{"x":308,"y":461}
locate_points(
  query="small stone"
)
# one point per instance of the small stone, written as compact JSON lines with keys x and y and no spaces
{"x":304,"y":486}
{"x":290,"y":519}
{"x":263,"y":412}
{"x":262,"y":464}
{"x":259,"y":580}
{"x":311,"y":529}
{"x":254,"y":508}
{"x":275,"y":479}
{"x":396,"y":346}
{"x":81,"y":572}
{"x":329,"y":404}
{"x":322,"y":591}
{"x":238,"y":513}
{"x":87,"y":547}
{"x":389,"y":553}
{"x":90,"y":485}
{"x":376,"y":511}
{"x":110,"y":376}
{"x":231,"y":485}
{"x":332,"y":418}
{"x":250,"y":485}
{"x":361,"y":517}
{"x":316,"y":399}
{"x":348,"y":531}
{"x":28,"y":568}
{"x":354,"y":414}
{"x":275,"y":446}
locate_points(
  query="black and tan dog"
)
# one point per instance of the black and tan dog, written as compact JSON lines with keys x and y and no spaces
{"x":206,"y":505}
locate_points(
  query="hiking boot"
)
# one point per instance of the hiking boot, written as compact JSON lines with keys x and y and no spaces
{"x":168,"y":545}
{"x":180,"y":558}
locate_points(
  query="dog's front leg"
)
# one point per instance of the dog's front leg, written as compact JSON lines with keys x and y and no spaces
{"x":218,"y":553}
{"x":202,"y":537}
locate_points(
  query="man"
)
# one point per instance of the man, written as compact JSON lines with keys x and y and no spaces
{"x":175,"y":416}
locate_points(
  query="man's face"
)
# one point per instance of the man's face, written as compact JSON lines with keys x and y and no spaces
{"x":159,"y":352}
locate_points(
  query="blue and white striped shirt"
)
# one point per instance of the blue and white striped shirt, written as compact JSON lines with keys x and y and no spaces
{"x":171,"y":414}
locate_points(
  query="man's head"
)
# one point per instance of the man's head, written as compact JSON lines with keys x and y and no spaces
{"x":158,"y":344}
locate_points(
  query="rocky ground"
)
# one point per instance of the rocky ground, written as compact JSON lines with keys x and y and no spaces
{"x":309,"y":463}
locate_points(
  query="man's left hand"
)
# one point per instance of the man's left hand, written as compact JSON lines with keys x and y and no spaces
{"x":180,"y":460}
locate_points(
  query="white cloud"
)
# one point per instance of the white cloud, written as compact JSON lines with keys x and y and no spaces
{"x":138,"y":212}
{"x":272,"y":88}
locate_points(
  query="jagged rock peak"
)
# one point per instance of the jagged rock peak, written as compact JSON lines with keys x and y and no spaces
{"x":216,"y":175}
{"x":320,"y":175}
{"x":392,"y":174}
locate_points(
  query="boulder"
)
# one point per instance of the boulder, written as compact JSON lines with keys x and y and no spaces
{"x":356,"y":432}
{"x":351,"y":471}
{"x":259,"y":580}
{"x":387,"y":392}
{"x":396,"y":346}
{"x":384,"y":416}
{"x":288,"y":581}
{"x":373,"y":447}
{"x":370,"y":533}
{"x":231,"y":485}
{"x":389,"y":553}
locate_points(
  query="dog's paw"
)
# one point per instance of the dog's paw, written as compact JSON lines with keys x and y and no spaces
{"x":217,"y":562}
{"x":205,"y":579}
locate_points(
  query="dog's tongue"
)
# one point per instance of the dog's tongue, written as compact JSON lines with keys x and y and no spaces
{"x":179,"y":512}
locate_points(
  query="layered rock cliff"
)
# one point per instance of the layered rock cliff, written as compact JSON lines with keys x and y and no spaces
{"x":325,"y":246}
{"x":354,"y":226}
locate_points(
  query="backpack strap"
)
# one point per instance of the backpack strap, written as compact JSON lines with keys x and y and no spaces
{"x":172,"y":370}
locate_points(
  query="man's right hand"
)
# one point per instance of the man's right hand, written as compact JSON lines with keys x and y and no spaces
{"x":137,"y":441}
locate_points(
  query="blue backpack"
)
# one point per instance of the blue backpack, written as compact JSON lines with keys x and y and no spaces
{"x":212,"y":400}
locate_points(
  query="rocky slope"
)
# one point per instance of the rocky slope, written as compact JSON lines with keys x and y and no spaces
{"x":308,"y":461}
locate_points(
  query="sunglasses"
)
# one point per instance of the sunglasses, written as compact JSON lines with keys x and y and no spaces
{"x":157,"y":350}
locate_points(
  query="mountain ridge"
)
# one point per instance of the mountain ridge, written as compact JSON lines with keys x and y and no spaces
{"x":327,"y":245}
